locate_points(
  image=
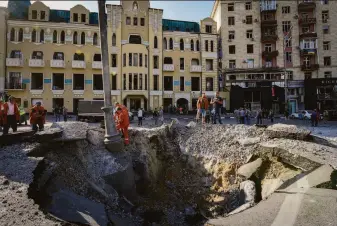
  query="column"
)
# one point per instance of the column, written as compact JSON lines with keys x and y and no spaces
{"x":128,"y":102}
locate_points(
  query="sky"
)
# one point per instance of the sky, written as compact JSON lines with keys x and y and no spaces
{"x":176,"y":10}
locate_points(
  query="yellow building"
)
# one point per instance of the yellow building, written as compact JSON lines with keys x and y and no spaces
{"x":53,"y":56}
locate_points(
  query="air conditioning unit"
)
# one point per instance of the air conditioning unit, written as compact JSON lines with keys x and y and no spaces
{"x":252,"y":39}
{"x":229,"y":40}
{"x":256,"y":20}
{"x":244,"y":21}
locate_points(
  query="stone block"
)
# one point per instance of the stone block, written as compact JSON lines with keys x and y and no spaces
{"x":249,"y":169}
{"x":287,"y":131}
{"x":269,"y":186}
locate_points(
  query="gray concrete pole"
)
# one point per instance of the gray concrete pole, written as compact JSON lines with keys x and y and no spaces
{"x":113,"y":141}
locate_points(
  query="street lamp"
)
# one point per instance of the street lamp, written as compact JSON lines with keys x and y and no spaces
{"x":112,"y":141}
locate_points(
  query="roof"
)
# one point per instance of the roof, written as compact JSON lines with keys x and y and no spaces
{"x":178,"y":25}
{"x":57,"y":15}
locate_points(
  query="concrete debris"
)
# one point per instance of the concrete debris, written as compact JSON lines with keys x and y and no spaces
{"x":287,"y":131}
{"x":269,"y":186}
{"x":247,"y":192}
{"x":249,"y":141}
{"x":48,"y":135}
{"x":72,"y":130}
{"x":249,"y":169}
{"x":191,"y":125}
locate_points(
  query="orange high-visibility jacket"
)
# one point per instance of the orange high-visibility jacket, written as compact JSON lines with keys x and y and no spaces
{"x":200,"y":100}
{"x":35,"y":111}
{"x":5,"y":111}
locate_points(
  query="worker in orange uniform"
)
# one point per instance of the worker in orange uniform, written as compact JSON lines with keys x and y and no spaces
{"x":37,"y":117}
{"x":123,"y":122}
{"x":1,"y":113}
{"x":10,"y":115}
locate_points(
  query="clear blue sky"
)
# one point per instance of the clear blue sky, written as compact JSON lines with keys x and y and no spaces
{"x":176,"y":10}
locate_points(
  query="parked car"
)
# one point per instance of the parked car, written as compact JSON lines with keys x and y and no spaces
{"x":305,"y":114}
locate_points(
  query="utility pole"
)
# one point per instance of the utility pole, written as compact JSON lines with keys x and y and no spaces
{"x":112,"y":141}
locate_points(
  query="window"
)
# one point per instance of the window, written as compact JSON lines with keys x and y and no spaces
{"x":209,"y":84}
{"x":249,"y":20}
{"x":83,"y":38}
{"x":130,"y":81}
{"x":42,"y":36}
{"x":195,"y":83}
{"x":286,"y":26}
{"x":286,"y":9}
{"x":37,"y":81}
{"x":135,"y":59}
{"x":16,"y":54}
{"x":114,"y":60}
{"x":79,"y":56}
{"x":194,"y":61}
{"x":168,"y":60}
{"x":135,"y":81}
{"x":230,"y":6}
{"x":155,"y":42}
{"x":305,"y":29}
{"x":197,"y":45}
{"x":171,"y":43}
{"x":34,"y":14}
{"x":145,"y":60}
{"x":43,"y":15}
{"x":248,"y":6}
{"x":113,"y":82}
{"x":97,"y":57}
{"x":232,"y":64}
{"x":206,"y":45}
{"x":83,"y":18}
{"x":325,"y":16}
{"x":209,"y":65}
{"x":327,"y":61}
{"x":249,"y":34}
{"x":113,"y":40}
{"x":307,"y":75}
{"x":97,"y":82}
{"x":326,"y":45}
{"x":182,"y":83}
{"x":155,"y":82}
{"x":231,"y":49}
{"x":63,"y":37}
{"x":95,"y":39}
{"x":78,"y":82}
{"x":231,"y":35}
{"x":168,"y":83}
{"x":12,"y":35}
{"x":135,"y":39}
{"x":155,"y":62}
{"x":124,"y":81}
{"x":145,"y":82}
{"x":250,"y":48}
{"x":192,"y":45}
{"x":130,"y":59}
{"x":20,"y":38}
{"x":208,"y":28}
{"x":250,"y":63}
{"x":182,"y":64}
{"x":34,"y":35}
{"x":75,"y":17}
{"x":124,"y":60}
{"x":37,"y":55}
{"x":288,"y":42}
{"x":288,"y":57}
{"x":326,"y":29}
{"x":267,"y":47}
{"x":142,"y":21}
{"x":58,"y":56}
{"x":181,"y":44}
{"x":231,"y":20}
{"x":327,"y":74}
{"x":140,"y":81}
{"x":58,"y":81}
{"x":212,"y":46}
{"x":128,"y":21}
{"x":75,"y":38}
{"x":135,"y":21}
{"x":165,"y":43}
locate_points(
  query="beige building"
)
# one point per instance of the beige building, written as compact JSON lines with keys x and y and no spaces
{"x":260,"y":40}
{"x":53,"y":56}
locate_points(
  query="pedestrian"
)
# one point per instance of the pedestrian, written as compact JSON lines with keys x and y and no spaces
{"x":208,"y":115}
{"x":248,"y":115}
{"x":242,"y":115}
{"x":140,"y":117}
{"x":325,"y":116}
{"x":217,"y":104}
{"x":259,"y":117}
{"x":181,"y":110}
{"x":237,"y":116}
{"x":22,"y":115}
{"x":10,"y":115}
{"x":57,"y":113}
{"x":161,"y":115}
{"x":123,"y":122}
{"x":314,"y":121}
{"x":37,"y":117}
{"x":1,"y":113}
{"x":202,"y":106}
{"x":155,"y":115}
{"x":286,"y":114}
{"x":271,"y":116}
{"x":65,"y":113}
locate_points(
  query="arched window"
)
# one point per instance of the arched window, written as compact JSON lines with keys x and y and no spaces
{"x":113,"y":39}
{"x":135,"y":39}
{"x":212,"y":43}
{"x":37,"y":55}
{"x":155,"y":43}
{"x":79,"y":56}
{"x":97,"y":57}
{"x":34,"y":35}
{"x":55,"y":36}
{"x":95,"y":39}
{"x":83,"y":38}
{"x":20,"y":39}
{"x":75,"y":38}
{"x":206,"y":45}
{"x":63,"y":37}
{"x":165,"y":43}
{"x":12,"y":35}
{"x":198,"y":46}
{"x":42,"y":36}
{"x":192,"y":45}
{"x":181,"y":44}
{"x":168,"y":60}
{"x":171,"y":43}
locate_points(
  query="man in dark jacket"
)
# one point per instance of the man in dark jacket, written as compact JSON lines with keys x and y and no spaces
{"x":217,"y":104}
{"x":314,"y":120}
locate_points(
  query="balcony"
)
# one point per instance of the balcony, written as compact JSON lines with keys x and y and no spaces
{"x":268,"y":6}
{"x":168,"y":67}
{"x":195,"y":68}
{"x":309,"y":35}
{"x":310,"y":67}
{"x":96,"y":65}
{"x":57,"y":63}
{"x":306,"y":6}
{"x":14,"y":62}
{"x":78,"y":64}
{"x":268,"y":23}
{"x":305,"y":21}
{"x":15,"y":86}
{"x":36,"y":63}
{"x":269,"y":38}
{"x":270,"y":53}
{"x":270,"y":68}
{"x":308,"y":52}
{"x":326,"y":96}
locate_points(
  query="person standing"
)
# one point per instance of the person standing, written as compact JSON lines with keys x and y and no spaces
{"x":217,"y":104}
{"x":22,"y":115}
{"x":37,"y":117}
{"x":1,"y":114}
{"x":123,"y":122}
{"x":286,"y":114}
{"x":140,"y":117}
{"x":242,"y":115}
{"x":155,"y":116}
{"x":314,"y":120}
{"x":11,"y":115}
{"x":58,"y":113}
{"x":161,"y":115}
{"x":248,"y":117}
{"x":271,"y":116}
{"x":65,"y":113}
{"x":259,"y":117}
{"x":202,"y":107}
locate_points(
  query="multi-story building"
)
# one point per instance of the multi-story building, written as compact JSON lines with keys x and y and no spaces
{"x":53,"y":56}
{"x":269,"y":48}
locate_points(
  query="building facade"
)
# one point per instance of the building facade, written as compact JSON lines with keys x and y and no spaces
{"x":53,"y":56}
{"x":269,"y":48}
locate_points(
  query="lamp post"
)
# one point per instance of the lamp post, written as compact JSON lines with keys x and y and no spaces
{"x":112,"y":141}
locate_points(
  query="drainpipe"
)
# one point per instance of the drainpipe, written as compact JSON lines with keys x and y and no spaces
{"x":148,"y":77}
{"x":200,"y":63}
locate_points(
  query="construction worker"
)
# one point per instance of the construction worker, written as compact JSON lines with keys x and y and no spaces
{"x":1,"y":113}
{"x":22,"y":115}
{"x":123,"y":123}
{"x":37,"y":117}
{"x":10,"y":115}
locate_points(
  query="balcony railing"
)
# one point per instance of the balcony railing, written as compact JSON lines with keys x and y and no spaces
{"x":14,"y":62}
{"x":307,"y":21}
{"x":306,"y":6}
{"x":308,"y":35}
{"x":78,"y":64}
{"x":269,"y":38}
{"x":309,"y":67}
{"x":308,"y":51}
{"x":326,"y":96}
{"x":269,"y":22}
{"x":15,"y":86}
{"x":36,"y":63}
{"x":57,"y":63}
{"x":96,"y":65}
{"x":195,"y":68}
{"x":270,"y":53}
{"x":168,"y":67}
